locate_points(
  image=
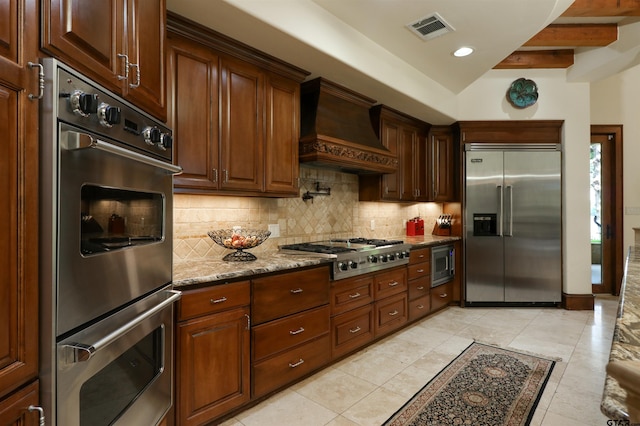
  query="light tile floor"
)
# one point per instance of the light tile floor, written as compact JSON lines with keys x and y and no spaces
{"x":369,"y":386}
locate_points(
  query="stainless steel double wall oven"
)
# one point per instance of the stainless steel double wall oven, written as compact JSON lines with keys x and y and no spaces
{"x":106,"y":256}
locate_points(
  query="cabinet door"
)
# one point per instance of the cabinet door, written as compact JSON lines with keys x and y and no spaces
{"x":391,"y":137}
{"x":421,"y":166}
{"x":88,"y":35}
{"x":442,"y":163}
{"x":212,"y":366}
{"x":14,"y":409}
{"x":242,"y":131}
{"x":283,"y":134}
{"x":19,"y":194}
{"x":406,"y":164}
{"x":146,"y":23}
{"x":192,"y":87}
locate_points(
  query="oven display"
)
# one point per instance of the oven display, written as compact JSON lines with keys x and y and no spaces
{"x":106,"y":395}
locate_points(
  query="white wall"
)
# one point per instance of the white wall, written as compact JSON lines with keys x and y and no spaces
{"x":616,"y":100}
{"x":486,"y":99}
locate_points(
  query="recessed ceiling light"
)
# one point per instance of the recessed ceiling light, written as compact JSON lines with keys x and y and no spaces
{"x":463,"y":51}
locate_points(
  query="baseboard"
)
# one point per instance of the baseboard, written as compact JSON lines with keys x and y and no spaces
{"x":578,"y":302}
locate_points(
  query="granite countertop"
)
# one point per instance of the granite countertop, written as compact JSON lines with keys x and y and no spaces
{"x":626,"y":338}
{"x":192,"y":273}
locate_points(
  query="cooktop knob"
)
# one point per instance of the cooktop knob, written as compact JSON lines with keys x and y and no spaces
{"x":400,"y":255}
{"x":108,"y":115}
{"x":343,"y":266}
{"x":83,"y":104}
{"x":151,"y":135}
{"x":373,"y":259}
{"x":391,"y":257}
{"x":353,"y":265}
{"x":383,"y":258}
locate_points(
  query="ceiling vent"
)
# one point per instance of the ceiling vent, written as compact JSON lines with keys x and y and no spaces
{"x":429,"y":27}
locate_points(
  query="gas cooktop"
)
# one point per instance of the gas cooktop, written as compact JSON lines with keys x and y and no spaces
{"x":355,"y":256}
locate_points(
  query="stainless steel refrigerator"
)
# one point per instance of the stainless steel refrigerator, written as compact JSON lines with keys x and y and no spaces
{"x":513,"y":224}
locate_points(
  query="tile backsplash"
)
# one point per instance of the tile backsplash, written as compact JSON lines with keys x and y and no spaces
{"x":339,"y":214}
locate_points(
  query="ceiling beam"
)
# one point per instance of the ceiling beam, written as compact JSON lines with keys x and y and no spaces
{"x":591,"y":8}
{"x":575,"y":35}
{"x":527,"y":59}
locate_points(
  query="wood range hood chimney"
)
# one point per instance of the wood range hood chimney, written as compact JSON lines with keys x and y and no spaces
{"x":337,"y":132}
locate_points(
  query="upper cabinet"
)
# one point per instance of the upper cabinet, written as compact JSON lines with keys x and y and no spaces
{"x":19,"y":211}
{"x":235,"y":113}
{"x":443,"y":155}
{"x":406,"y":137}
{"x":119,"y":43}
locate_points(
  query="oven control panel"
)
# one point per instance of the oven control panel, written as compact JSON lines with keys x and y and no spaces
{"x":90,"y":106}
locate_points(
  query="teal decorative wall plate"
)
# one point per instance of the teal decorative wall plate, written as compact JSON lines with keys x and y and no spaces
{"x":523,"y":93}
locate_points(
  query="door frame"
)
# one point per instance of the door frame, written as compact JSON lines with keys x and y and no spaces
{"x":615,"y":134}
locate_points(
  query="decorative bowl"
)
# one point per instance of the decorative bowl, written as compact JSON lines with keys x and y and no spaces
{"x":239,"y":239}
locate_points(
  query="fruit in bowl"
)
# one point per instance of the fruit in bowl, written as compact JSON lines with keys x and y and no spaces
{"x":239,"y":239}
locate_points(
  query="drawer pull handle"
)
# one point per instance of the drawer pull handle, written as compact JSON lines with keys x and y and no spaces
{"x":222,"y":299}
{"x":421,"y":288}
{"x":296,"y":291}
{"x":297,"y":364}
{"x":393,"y":283}
{"x":421,"y":256}
{"x":420,"y":306}
{"x":443,"y":295}
{"x":298,"y":331}
{"x":394,"y":313}
{"x":355,"y":330}
{"x":354,"y":296}
{"x":420,"y":271}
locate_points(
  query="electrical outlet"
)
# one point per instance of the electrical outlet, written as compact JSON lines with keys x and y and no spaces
{"x":372,"y":225}
{"x":275,"y":230}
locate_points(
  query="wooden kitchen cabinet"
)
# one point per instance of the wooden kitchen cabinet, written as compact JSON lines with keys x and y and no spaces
{"x":419,"y":282}
{"x":390,"y":307}
{"x":235,"y":114}
{"x":213,"y":352}
{"x":406,"y":137}
{"x":19,"y":211}
{"x":118,"y":43}
{"x":291,"y":335}
{"x":443,"y":161}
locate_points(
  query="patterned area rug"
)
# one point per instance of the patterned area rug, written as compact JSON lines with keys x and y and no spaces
{"x":483,"y":386}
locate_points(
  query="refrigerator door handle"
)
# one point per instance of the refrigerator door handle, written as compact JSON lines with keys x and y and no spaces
{"x":500,"y":207}
{"x":510,"y":211}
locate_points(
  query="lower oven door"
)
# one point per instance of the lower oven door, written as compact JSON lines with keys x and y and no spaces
{"x":119,"y":370}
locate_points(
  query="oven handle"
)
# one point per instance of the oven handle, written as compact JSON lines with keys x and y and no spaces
{"x":85,"y":140}
{"x":80,"y":352}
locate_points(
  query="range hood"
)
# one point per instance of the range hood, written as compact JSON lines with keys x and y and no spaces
{"x":337,"y":132}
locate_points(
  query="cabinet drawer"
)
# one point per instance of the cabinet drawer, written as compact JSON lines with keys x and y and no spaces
{"x":419,"y":287}
{"x":389,"y":283}
{"x":213,"y":299}
{"x":280,"y":370}
{"x":276,"y":336}
{"x":419,"y":270}
{"x":351,"y":330}
{"x":391,"y":313}
{"x":441,"y":296}
{"x":419,"y":307}
{"x":350,"y":294}
{"x":419,"y":255}
{"x":281,"y":295}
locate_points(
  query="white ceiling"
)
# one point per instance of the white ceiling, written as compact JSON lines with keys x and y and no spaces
{"x":365,"y":45}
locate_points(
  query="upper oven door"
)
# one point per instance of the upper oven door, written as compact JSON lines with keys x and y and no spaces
{"x":114,"y":215}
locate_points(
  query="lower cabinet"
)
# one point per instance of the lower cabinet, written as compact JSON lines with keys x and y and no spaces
{"x":391,"y":300}
{"x":14,"y":409}
{"x":291,"y":332}
{"x":213,"y":353}
{"x":441,"y":296}
{"x":419,"y":271}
